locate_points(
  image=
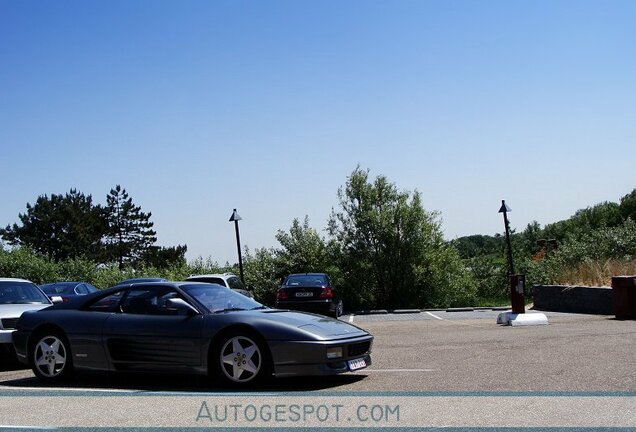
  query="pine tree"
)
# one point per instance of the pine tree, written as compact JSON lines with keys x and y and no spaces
{"x":129,"y":232}
{"x":60,"y":227}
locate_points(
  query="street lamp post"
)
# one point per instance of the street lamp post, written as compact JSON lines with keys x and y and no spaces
{"x":235,"y":218}
{"x":518,"y":315}
{"x":505,"y":209}
{"x":517,"y":281}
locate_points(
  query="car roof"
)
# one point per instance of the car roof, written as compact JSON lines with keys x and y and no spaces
{"x":307,"y":274}
{"x":155,"y":285}
{"x":62,"y":283}
{"x":142,"y":280}
{"x":77,"y":302}
{"x":14,"y":280}
{"x":216,"y":275}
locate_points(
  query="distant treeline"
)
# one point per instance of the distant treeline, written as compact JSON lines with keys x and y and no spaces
{"x":589,"y":248}
{"x":382,"y":249}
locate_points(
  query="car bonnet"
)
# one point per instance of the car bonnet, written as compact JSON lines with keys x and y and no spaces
{"x":15,"y":310}
{"x":321,"y":326}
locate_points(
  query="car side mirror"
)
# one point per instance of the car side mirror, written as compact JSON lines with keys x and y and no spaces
{"x":57,"y":299}
{"x":181,"y":304}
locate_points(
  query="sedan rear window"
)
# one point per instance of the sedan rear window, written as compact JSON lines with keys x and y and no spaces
{"x":306,"y":280}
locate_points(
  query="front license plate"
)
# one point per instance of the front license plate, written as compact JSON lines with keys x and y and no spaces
{"x":304,"y":294}
{"x":357,"y":364}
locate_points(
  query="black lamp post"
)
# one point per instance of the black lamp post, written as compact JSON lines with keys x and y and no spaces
{"x":235,"y":218}
{"x":505,"y":209}
{"x":517,"y":281}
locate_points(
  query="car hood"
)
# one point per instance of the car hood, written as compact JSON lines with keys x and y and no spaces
{"x":15,"y":310}
{"x":321,"y":326}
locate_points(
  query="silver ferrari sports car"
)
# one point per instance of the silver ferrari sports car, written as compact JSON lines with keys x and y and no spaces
{"x":189,"y":327}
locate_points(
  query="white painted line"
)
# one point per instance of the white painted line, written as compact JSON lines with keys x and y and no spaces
{"x":351,"y":318}
{"x":76,"y":389}
{"x":435,"y":316}
{"x":394,"y":370}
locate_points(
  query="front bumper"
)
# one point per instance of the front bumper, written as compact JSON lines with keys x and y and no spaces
{"x":20,"y":345}
{"x":304,"y":358}
{"x":319,"y":369}
{"x":6,"y":336}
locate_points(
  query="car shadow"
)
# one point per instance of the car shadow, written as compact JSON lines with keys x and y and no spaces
{"x":11,"y":365}
{"x":180,"y":383}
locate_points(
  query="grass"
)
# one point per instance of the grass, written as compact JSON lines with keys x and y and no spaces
{"x":596,"y":273}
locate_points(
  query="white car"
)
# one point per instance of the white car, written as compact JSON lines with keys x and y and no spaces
{"x":227,"y":280}
{"x":16,"y":297}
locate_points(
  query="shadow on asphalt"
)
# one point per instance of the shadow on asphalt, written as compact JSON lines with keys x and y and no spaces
{"x":181,"y":383}
{"x":14,"y":365}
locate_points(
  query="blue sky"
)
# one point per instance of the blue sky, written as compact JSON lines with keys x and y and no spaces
{"x":199,"y":107}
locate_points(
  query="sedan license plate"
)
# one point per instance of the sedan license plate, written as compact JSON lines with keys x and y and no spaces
{"x":304,"y":294}
{"x":357,"y":364}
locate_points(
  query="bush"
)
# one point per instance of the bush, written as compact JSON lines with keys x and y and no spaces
{"x":24,"y":264}
{"x":589,"y":259}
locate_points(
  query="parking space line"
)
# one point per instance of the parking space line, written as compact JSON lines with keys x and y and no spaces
{"x":435,"y":316}
{"x":351,"y":318}
{"x":363,"y":371}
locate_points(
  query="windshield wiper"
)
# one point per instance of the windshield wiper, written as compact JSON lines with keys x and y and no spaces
{"x":259,"y":307}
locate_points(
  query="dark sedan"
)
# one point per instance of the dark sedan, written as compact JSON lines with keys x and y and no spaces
{"x":186,"y":327}
{"x":310,"y":292}
{"x":67,"y":290}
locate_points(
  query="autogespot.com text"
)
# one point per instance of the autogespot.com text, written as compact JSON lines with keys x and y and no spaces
{"x":217,"y":414}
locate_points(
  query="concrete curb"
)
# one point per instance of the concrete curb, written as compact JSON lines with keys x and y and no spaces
{"x":465,"y":309}
{"x":416,"y":311}
{"x":377,"y":312}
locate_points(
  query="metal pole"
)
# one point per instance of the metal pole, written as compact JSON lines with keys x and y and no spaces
{"x":517,"y":282}
{"x":238,"y":247}
{"x":511,"y":265}
{"x":235,"y":218}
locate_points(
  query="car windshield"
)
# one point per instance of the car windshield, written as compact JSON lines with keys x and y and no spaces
{"x":21,"y":293}
{"x":217,"y":298}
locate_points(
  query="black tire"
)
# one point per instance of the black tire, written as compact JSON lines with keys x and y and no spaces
{"x":338,"y":310}
{"x":50,"y":357}
{"x":241,"y":359}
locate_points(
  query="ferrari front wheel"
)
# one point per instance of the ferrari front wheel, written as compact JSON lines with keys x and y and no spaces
{"x":51,"y":357}
{"x":242,"y":359}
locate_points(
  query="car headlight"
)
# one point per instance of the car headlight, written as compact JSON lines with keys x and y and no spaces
{"x":334,"y":352}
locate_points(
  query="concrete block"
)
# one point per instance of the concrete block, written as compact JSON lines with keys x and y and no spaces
{"x":526,"y":319}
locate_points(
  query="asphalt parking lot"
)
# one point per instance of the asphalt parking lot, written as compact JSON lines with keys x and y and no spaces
{"x":446,"y":357}
{"x":448,"y":351}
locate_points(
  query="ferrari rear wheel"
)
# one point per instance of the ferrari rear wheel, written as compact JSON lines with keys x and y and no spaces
{"x":51,"y":357}
{"x":242,"y":360}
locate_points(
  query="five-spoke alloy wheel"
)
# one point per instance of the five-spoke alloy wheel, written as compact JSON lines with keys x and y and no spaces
{"x":51,"y":357}
{"x":241,"y":360}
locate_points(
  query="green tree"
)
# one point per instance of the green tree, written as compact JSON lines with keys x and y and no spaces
{"x":479,"y":245}
{"x":60,"y":227}
{"x":392,"y":250}
{"x":627,"y":206}
{"x":164,"y":257}
{"x":129,"y":233}
{"x":303,"y":250}
{"x":263,"y":274}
